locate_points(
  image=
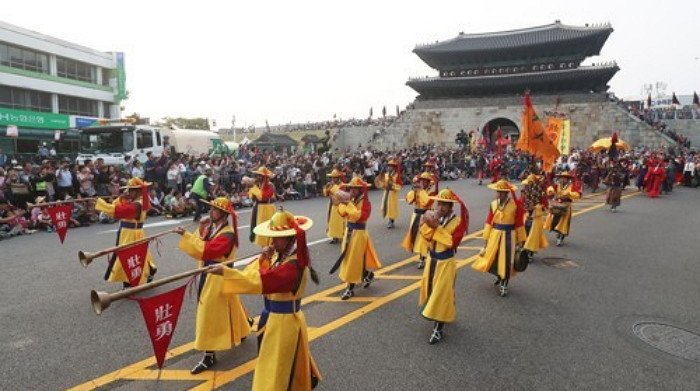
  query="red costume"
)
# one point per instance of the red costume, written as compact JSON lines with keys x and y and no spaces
{"x":656,"y":174}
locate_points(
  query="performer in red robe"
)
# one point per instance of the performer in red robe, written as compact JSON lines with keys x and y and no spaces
{"x":656,"y":173}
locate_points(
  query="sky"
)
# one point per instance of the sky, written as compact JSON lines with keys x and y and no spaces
{"x":299,"y":61}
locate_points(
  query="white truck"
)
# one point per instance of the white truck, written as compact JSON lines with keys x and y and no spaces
{"x":112,"y":141}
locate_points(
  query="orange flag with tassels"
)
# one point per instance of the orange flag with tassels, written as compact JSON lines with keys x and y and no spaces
{"x":534,"y":138}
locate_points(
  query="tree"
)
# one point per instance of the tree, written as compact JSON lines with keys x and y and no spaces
{"x":197,"y":123}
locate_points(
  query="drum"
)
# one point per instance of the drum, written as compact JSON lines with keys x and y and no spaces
{"x":521,"y":261}
{"x":558,"y":209}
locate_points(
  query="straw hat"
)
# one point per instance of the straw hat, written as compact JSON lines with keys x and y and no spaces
{"x":263,"y":171}
{"x":335,"y":174}
{"x":279,"y":225}
{"x":531,"y":178}
{"x":356,"y":182}
{"x":445,"y":195}
{"x":40,"y":200}
{"x":502,"y":185}
{"x":425,"y":176}
{"x":136,"y":183}
{"x":221,"y":203}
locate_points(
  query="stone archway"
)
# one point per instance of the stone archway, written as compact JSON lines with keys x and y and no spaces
{"x":508,"y":128}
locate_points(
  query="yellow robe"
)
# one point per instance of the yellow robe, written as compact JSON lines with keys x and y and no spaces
{"x":437,"y":293}
{"x":261,"y":213}
{"x":222,"y":320}
{"x":336,"y":222}
{"x":565,"y":196}
{"x":358,"y":252}
{"x":285,"y":341}
{"x":413,"y":241}
{"x":536,"y":239}
{"x":124,"y":236}
{"x":390,"y":199}
{"x":499,"y":254}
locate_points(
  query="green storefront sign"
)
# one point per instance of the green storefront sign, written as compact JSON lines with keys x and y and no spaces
{"x":33,"y":119}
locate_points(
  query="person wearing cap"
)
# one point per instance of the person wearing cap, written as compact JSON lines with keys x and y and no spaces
{"x":503,"y":232}
{"x":358,"y":257}
{"x":222,"y":320}
{"x":336,"y":223}
{"x":443,"y":231}
{"x":431,"y":167}
{"x":391,"y":182}
{"x":263,"y":195}
{"x":564,"y":195}
{"x":280,"y":274}
{"x":615,"y":180}
{"x":534,"y":200}
{"x":130,"y":208}
{"x":420,"y":198}
{"x":201,"y":190}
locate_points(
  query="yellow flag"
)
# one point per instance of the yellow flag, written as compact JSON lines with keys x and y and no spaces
{"x":554,"y":127}
{"x":564,"y":141}
{"x":534,"y":138}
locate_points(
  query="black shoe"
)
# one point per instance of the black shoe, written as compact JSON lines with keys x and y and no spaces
{"x":347,"y":294}
{"x":208,"y":361}
{"x":498,"y":281}
{"x":421,"y":263}
{"x":368,"y":280}
{"x":503,"y":289}
{"x":435,"y":337}
{"x":390,"y":225}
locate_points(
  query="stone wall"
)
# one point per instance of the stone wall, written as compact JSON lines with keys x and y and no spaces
{"x":438,"y":121}
{"x":688,"y":127}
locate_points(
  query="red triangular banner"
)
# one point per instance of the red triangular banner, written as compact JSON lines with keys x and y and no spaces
{"x":60,"y":216}
{"x":132,"y":259}
{"x":160,"y":313}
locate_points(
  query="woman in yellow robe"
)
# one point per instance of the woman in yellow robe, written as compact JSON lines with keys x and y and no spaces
{"x":130,"y":209}
{"x":418,"y":197}
{"x":503,"y":231}
{"x":564,"y":195}
{"x":391,"y":183}
{"x":280,"y":274}
{"x":263,"y":196}
{"x":443,"y":235}
{"x":336,"y":222}
{"x":534,"y":201}
{"x":222,"y":320}
{"x":358,"y":256}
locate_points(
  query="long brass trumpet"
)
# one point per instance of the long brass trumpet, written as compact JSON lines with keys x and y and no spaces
{"x":86,"y":257}
{"x":102,"y":300}
{"x":71,"y":201}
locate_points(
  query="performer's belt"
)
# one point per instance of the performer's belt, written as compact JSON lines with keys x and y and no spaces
{"x":356,"y":226}
{"x":419,"y":211}
{"x":442,"y":255}
{"x":264,"y":202}
{"x":504,"y":227}
{"x":282,"y":307}
{"x":130,"y":225}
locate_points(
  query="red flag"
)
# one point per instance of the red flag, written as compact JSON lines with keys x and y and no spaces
{"x":696,"y":99}
{"x":132,"y":259}
{"x":160,"y":313}
{"x":674,"y":100}
{"x":60,"y":216}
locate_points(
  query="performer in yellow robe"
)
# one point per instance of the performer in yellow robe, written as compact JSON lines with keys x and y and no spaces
{"x":358,"y":256}
{"x":420,"y":198}
{"x":263,"y":196}
{"x":130,"y":209}
{"x":222,"y":321}
{"x":443,"y":230}
{"x":503,"y":231}
{"x":564,"y":195}
{"x":391,"y":183}
{"x":534,"y":202}
{"x":280,"y":274}
{"x":336,"y":222}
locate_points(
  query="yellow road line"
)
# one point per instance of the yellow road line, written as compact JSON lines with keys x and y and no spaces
{"x":359,"y":299}
{"x":138,"y":371}
{"x":399,"y":277}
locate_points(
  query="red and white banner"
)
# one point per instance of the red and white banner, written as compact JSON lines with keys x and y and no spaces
{"x":133,"y":258}
{"x":160,"y":313}
{"x":60,"y":216}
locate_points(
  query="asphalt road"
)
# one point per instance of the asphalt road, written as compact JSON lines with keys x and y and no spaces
{"x":567,"y":323}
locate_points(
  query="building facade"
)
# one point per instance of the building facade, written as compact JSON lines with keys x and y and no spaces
{"x":49,"y":87}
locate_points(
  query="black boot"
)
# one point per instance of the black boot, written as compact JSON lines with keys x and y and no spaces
{"x":349,"y":292}
{"x":369,"y":277}
{"x":208,"y":361}
{"x":503,"y":288}
{"x":436,"y":336}
{"x":421,"y":263}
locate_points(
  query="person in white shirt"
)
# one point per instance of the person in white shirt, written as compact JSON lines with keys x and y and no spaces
{"x":689,"y":172}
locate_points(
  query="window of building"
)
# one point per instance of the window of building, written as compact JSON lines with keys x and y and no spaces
{"x":77,"y":106}
{"x":106,"y":74}
{"x":106,"y":110}
{"x":22,"y":99}
{"x":75,"y":70}
{"x":17,"y":57}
